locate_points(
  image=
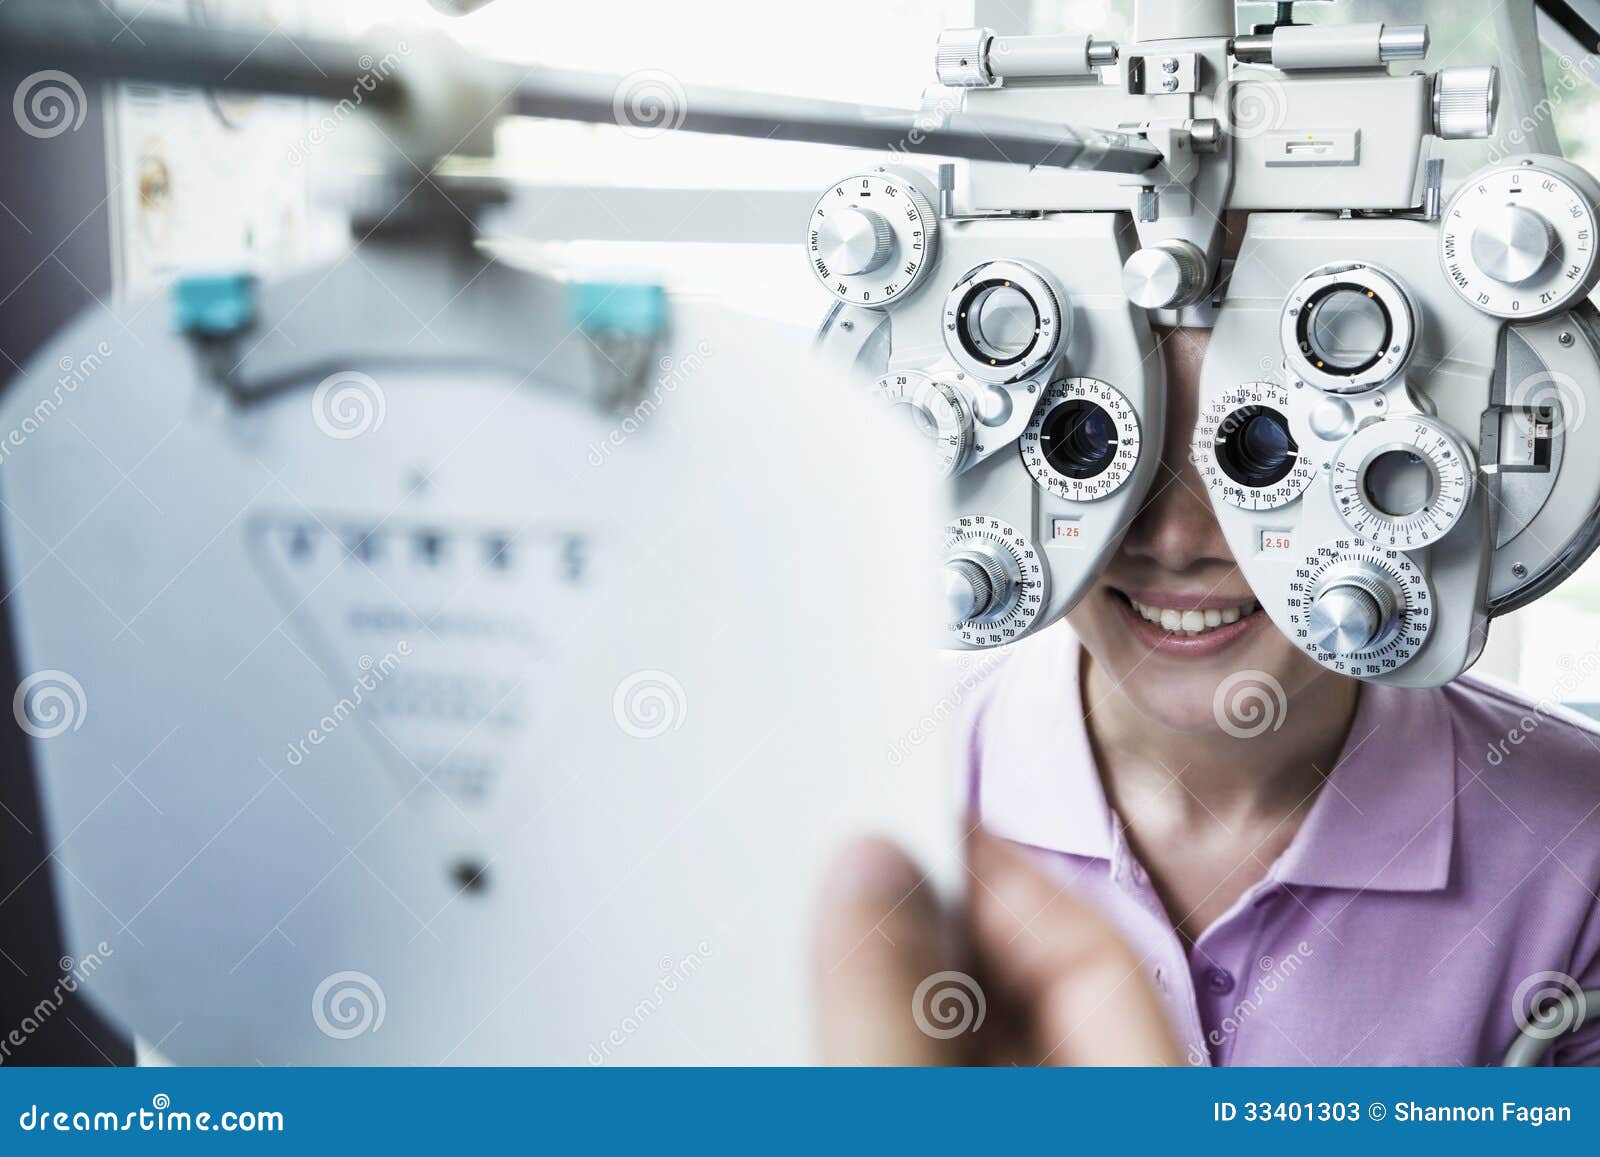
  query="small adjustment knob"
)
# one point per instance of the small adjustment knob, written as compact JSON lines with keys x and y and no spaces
{"x":1465,"y":101}
{"x":1353,"y":614}
{"x":854,"y":241}
{"x":976,"y":585}
{"x":1166,"y":275}
{"x":962,"y":58}
{"x":1511,"y":244}
{"x":1402,"y":42}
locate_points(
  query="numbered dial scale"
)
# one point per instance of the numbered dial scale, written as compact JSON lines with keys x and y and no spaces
{"x":995,"y":579}
{"x":872,"y":238}
{"x":1518,"y":240}
{"x":1402,"y":482}
{"x":1359,"y":610}
{"x":1244,"y":450}
{"x":1083,"y":441}
{"x":938,"y":410}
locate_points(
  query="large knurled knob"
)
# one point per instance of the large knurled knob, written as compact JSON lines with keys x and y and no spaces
{"x":1511,"y":243}
{"x":1465,"y":101}
{"x":1353,"y":614}
{"x":854,"y":241}
{"x":975,"y":585}
{"x":1166,"y":275}
{"x":962,"y":58}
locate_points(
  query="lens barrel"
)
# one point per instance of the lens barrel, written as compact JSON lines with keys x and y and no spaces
{"x":1254,"y":447}
{"x":1079,"y":439}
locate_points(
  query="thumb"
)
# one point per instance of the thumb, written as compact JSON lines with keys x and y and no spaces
{"x":1062,"y":966}
{"x":880,"y":934}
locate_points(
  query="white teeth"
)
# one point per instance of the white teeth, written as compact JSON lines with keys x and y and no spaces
{"x":1193,"y":622}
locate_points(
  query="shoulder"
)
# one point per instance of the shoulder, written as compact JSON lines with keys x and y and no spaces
{"x":1507,"y":722}
{"x":1528,"y":780}
{"x":1532,"y":762}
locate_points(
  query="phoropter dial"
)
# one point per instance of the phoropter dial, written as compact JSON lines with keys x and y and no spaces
{"x":1003,"y":322}
{"x":1083,"y":441}
{"x":1244,"y":450}
{"x":938,"y":410}
{"x":1359,"y":610}
{"x":1347,"y":327}
{"x":1518,"y":239}
{"x":994,"y":581}
{"x":1402,"y":482}
{"x":872,"y":238}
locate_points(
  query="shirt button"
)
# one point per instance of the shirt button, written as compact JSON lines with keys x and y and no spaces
{"x":1219,"y":981}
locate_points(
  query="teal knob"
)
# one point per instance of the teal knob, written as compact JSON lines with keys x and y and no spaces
{"x":214,"y":304}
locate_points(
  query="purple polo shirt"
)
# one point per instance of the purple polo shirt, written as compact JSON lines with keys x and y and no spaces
{"x":1449,"y":865}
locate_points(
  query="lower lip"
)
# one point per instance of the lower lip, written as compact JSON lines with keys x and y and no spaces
{"x":1200,"y":646}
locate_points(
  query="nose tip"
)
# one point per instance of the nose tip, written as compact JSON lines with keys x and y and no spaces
{"x":1177,"y":527}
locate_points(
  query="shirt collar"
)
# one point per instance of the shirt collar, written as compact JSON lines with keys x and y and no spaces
{"x":1384,"y":821}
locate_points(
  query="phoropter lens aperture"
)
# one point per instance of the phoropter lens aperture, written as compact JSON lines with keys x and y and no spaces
{"x":1078,"y":438}
{"x":1344,"y":329}
{"x":1254,"y":447}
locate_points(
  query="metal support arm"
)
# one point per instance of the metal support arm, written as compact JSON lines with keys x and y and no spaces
{"x":86,"y":40}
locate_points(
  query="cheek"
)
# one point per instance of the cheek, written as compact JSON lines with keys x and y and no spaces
{"x":1094,"y":621}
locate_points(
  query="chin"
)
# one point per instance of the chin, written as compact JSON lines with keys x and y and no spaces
{"x":1171,"y":667}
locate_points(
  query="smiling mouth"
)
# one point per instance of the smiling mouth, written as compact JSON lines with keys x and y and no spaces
{"x":1190,"y":622}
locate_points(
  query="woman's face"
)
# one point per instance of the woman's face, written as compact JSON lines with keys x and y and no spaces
{"x":1172,"y":616}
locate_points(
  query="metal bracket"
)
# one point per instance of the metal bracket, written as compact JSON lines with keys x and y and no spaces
{"x":1161,"y":73}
